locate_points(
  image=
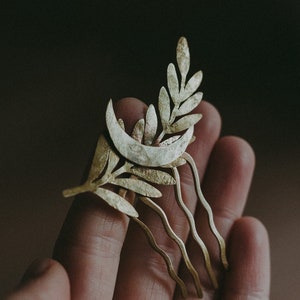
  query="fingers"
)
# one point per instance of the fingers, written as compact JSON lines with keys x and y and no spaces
{"x":143,"y":273}
{"x":44,"y":279}
{"x":227,"y":182}
{"x":225,"y":187}
{"x":249,"y":257}
{"x":92,"y":236}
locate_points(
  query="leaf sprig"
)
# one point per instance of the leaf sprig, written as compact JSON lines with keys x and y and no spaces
{"x":183,"y":96}
{"x":105,"y":170}
{"x":174,"y":116}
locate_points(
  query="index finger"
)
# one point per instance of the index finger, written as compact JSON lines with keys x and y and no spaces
{"x":92,"y":236}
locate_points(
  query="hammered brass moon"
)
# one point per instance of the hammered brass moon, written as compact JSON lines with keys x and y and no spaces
{"x":142,"y":154}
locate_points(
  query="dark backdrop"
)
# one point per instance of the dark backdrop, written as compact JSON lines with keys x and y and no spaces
{"x":62,"y":60}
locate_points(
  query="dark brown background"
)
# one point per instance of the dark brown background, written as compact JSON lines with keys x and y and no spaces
{"x":62,"y":60}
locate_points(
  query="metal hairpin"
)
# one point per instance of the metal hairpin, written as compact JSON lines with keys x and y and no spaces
{"x":132,"y":163}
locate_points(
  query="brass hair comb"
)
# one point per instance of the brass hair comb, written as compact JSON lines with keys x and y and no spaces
{"x":132,"y":163}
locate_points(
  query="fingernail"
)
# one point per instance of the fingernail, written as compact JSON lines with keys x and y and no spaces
{"x":37,"y":269}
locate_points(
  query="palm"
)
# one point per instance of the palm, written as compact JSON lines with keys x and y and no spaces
{"x":105,"y":261}
{"x":102,"y":258}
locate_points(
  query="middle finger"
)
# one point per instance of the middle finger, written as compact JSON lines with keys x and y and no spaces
{"x":142,"y":272}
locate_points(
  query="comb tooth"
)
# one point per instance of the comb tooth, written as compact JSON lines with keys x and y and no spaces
{"x":164,"y":255}
{"x":207,"y":207}
{"x":194,"y":232}
{"x":177,"y":240}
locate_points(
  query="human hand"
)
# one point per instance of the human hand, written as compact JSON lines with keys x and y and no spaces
{"x":100,"y":259}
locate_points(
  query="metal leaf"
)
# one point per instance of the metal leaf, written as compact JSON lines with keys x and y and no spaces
{"x":183,"y":57}
{"x":121,"y":123}
{"x":138,"y":130}
{"x":191,"y":103}
{"x":164,"y":107}
{"x":137,"y":186}
{"x":117,"y":202}
{"x":173,"y":84}
{"x":192,"y":86}
{"x":100,"y":158}
{"x":176,"y":163}
{"x":113,"y":160}
{"x":169,"y":141}
{"x":152,"y":175}
{"x":184,"y":123}
{"x":150,"y":125}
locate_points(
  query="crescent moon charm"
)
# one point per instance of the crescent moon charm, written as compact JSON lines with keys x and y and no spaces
{"x":140,"y":154}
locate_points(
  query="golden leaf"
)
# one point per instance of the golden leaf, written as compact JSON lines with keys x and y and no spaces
{"x":117,"y":202}
{"x":183,"y":57}
{"x":150,"y":125}
{"x":164,"y":107}
{"x":138,"y":130}
{"x":176,"y":163}
{"x":121,"y":123}
{"x":184,"y":123}
{"x":137,"y":186}
{"x":191,"y":103}
{"x":100,"y":158}
{"x":173,"y":84}
{"x":192,"y":85}
{"x":113,"y":160}
{"x":169,"y":141}
{"x":155,"y":176}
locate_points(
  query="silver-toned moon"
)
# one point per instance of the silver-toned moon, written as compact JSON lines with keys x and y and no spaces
{"x":140,"y":154}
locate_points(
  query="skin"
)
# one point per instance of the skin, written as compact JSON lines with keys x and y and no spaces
{"x":97,"y":256}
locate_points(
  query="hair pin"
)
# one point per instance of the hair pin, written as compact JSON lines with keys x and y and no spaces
{"x":134,"y":163}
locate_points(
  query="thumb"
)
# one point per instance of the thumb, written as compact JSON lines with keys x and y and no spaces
{"x":45,"y":279}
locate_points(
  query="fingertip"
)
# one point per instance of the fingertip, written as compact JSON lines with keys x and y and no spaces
{"x":211,"y":116}
{"x":238,"y":153}
{"x":248,"y":235}
{"x":207,"y":132}
{"x":210,"y":122}
{"x":38,"y":268}
{"x":251,"y":227}
{"x":130,"y":110}
{"x":249,"y":259}
{"x":123,"y":103}
{"x":44,"y":278}
{"x":228,"y":177}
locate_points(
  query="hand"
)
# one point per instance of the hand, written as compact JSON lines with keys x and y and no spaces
{"x":91,"y":265}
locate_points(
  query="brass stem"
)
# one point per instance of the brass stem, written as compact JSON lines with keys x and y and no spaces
{"x":78,"y":190}
{"x":122,"y":169}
